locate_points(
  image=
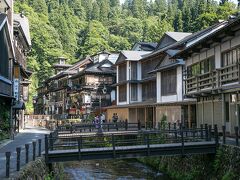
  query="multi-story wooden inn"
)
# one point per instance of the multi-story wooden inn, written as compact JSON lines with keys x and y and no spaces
{"x":213,"y":74}
{"x":149,"y":85}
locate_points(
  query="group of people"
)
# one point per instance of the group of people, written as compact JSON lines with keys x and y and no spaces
{"x":99,"y":120}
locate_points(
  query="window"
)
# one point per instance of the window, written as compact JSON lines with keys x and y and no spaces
{"x":148,"y":66}
{"x":231,"y":57}
{"x":122,"y":73}
{"x":149,"y":91}
{"x":134,"y":92}
{"x":122,"y":93}
{"x":203,"y":67}
{"x":207,"y":65}
{"x":169,"y":82}
{"x":133,"y":70}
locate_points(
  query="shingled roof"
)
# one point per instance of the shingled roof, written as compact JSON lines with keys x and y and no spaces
{"x":22,"y":21}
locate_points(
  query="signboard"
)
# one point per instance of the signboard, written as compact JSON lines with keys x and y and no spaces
{"x":16,"y":88}
{"x":87,"y":99}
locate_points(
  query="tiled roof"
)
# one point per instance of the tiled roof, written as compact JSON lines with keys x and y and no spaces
{"x":178,"y":36}
{"x":23,"y":22}
{"x":134,"y":55}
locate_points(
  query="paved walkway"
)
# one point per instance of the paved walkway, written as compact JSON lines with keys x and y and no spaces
{"x":26,"y":136}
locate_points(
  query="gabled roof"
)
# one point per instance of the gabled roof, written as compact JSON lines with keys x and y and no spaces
{"x":22,"y":22}
{"x":224,"y":26}
{"x":132,"y":55}
{"x":188,"y":39}
{"x":177,"y":36}
{"x":145,"y":46}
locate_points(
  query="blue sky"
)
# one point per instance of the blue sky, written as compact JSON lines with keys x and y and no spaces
{"x":231,"y":0}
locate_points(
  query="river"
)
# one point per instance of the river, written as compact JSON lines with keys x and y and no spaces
{"x":111,"y":169}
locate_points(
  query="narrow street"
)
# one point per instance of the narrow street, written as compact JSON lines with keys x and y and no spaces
{"x":26,"y":136}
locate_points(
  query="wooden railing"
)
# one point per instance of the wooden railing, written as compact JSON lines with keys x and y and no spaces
{"x":213,"y":80}
{"x":229,"y":74}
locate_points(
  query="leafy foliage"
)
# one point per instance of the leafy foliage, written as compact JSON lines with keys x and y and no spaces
{"x":76,"y":28}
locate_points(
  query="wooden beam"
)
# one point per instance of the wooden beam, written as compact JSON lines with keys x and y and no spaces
{"x":230,"y":33}
{"x":205,"y":46}
{"x":217,"y":40}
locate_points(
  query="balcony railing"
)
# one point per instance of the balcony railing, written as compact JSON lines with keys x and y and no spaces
{"x":213,"y":80}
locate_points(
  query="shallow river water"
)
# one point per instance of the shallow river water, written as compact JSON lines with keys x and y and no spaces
{"x":110,"y":169}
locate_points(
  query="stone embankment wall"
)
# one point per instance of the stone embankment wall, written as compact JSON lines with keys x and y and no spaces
{"x":224,"y":165}
{"x":38,"y":170}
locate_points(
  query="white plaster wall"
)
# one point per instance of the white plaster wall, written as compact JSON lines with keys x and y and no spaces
{"x":218,"y":56}
{"x":113,"y":95}
{"x":171,"y":98}
{"x":179,"y":84}
{"x":128,"y":70}
{"x":139,"y":92}
{"x":235,"y":41}
{"x":117,"y":95}
{"x":158,"y":86}
{"x":139,"y":70}
{"x":189,"y":61}
{"x":225,"y":46}
{"x":117,"y":74}
{"x":203,"y":55}
{"x":128,"y":93}
{"x":195,"y":59}
{"x":210,"y":52}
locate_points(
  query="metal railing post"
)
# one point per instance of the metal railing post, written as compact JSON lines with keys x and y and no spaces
{"x":206,"y":132}
{"x":224,"y":134}
{"x":18,"y":149}
{"x":182,"y":140}
{"x":39,"y":147}
{"x":216,"y":134}
{"x":139,"y":125}
{"x":46,"y":148}
{"x":27,"y":153}
{"x":201,"y":132}
{"x":126,"y":124}
{"x":51,"y":141}
{"x":237,"y":134}
{"x":210,"y":132}
{"x":113,"y":146}
{"x":148,"y":145}
{"x":79,"y":149}
{"x":34,"y":150}
{"x":175,"y":130}
{"x":8,"y":155}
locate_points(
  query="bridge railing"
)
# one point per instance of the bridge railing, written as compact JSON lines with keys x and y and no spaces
{"x":122,"y":139}
{"x":83,"y":127}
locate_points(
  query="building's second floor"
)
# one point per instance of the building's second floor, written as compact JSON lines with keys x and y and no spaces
{"x":212,"y":62}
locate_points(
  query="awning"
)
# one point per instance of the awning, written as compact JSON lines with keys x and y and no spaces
{"x":20,"y":105}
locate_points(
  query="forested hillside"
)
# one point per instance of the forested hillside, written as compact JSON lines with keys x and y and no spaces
{"x":76,"y":28}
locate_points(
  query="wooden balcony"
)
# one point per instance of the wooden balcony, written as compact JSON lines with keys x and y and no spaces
{"x":213,"y":80}
{"x":229,"y":74}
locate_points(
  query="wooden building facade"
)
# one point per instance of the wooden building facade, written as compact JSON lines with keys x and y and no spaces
{"x":212,"y":74}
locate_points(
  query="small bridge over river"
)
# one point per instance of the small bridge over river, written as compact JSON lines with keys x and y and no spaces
{"x":85,"y":142}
